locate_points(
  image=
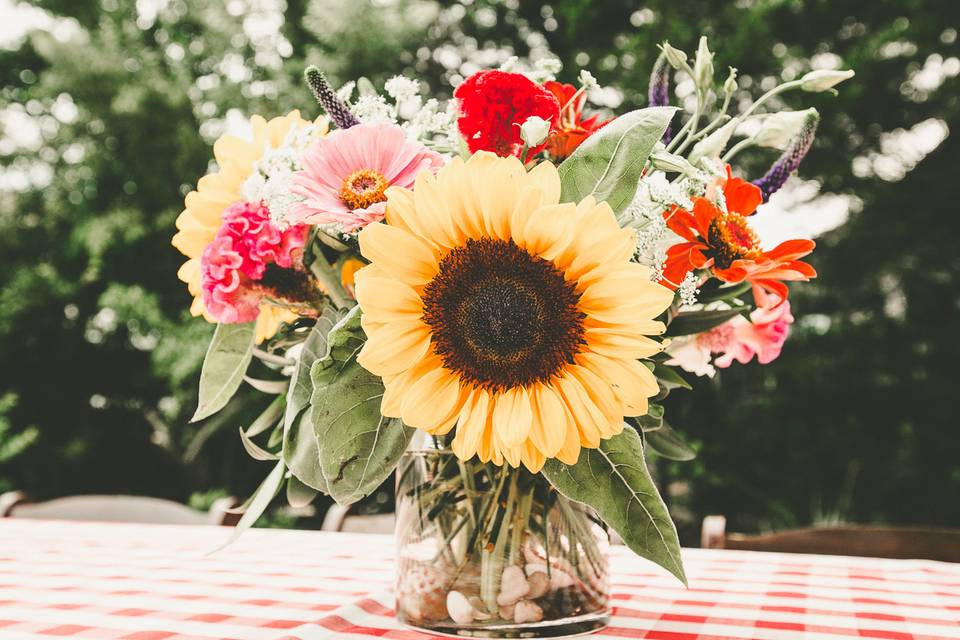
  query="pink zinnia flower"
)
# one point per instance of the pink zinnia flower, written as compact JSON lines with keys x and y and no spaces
{"x":763,"y":336}
{"x":346,"y":174}
{"x":246,"y":243}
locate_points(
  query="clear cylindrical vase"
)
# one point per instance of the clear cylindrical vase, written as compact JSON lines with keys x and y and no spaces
{"x":494,"y":552}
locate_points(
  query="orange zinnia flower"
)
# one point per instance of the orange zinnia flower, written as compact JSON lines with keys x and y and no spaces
{"x":572,"y":129}
{"x":724,"y":242}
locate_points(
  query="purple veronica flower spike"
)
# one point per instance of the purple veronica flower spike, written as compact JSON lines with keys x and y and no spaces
{"x":659,"y":91}
{"x":791,"y":158}
{"x":333,"y":105}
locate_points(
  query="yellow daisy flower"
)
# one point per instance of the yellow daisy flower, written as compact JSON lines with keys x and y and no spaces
{"x":491,"y":307}
{"x":201,"y":218}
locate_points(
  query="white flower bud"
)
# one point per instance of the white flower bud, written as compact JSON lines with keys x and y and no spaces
{"x":703,"y":65}
{"x":778,"y":129}
{"x":675,"y":57}
{"x":671,"y":162}
{"x":714,"y":144}
{"x":824,"y":79}
{"x":730,"y":85}
{"x":534,"y":130}
{"x":587,"y":80}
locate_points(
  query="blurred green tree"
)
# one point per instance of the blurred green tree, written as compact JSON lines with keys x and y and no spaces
{"x":102,"y":104}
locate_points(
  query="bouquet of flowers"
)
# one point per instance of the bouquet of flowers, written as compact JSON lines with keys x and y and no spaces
{"x":491,"y":296}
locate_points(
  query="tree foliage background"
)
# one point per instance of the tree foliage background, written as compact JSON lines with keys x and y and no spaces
{"x":108,"y":109}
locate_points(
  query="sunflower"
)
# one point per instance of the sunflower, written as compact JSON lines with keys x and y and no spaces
{"x":491,"y":307}
{"x":216,"y":192}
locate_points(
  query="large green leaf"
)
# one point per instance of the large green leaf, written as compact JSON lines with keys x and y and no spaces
{"x":226,"y":362}
{"x":358,"y":447}
{"x":301,"y":453}
{"x":300,"y":450}
{"x":608,"y":164}
{"x":614,"y":480}
{"x":314,"y":347}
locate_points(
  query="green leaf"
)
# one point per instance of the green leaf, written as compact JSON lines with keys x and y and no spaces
{"x":266,"y":419}
{"x":314,"y":347}
{"x":665,"y":442}
{"x":727,"y":293}
{"x":608,"y":164}
{"x":669,"y":378}
{"x":301,"y":453}
{"x":254,"y":450}
{"x":272,"y":387}
{"x":614,"y":480}
{"x":299,"y":494}
{"x":358,"y":447}
{"x":257,"y":505}
{"x":692,"y":322}
{"x":650,"y":422}
{"x":226,"y":361}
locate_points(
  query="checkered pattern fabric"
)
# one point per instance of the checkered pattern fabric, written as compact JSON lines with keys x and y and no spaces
{"x":150,"y":582}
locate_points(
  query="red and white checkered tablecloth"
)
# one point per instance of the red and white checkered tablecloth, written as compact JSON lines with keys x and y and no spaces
{"x":147,"y":582}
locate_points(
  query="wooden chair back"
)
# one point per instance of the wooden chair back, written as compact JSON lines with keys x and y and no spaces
{"x":107,"y":508}
{"x":338,"y":518}
{"x":876,"y":542}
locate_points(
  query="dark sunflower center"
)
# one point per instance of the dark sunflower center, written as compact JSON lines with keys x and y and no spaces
{"x":501,"y":317}
{"x":731,"y":238}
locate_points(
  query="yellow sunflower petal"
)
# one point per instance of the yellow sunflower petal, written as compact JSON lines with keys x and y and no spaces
{"x":512,"y":416}
{"x":399,"y":252}
{"x":474,"y":417}
{"x":602,"y":397}
{"x":547,"y":179}
{"x":531,"y":458}
{"x":547,"y":231}
{"x":394,"y":347}
{"x":434,"y":220}
{"x":617,"y":343}
{"x":385,"y":299}
{"x":632,"y":383}
{"x":569,"y":453}
{"x":551,"y":420}
{"x":432,"y":401}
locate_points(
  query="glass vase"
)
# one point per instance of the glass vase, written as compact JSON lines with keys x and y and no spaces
{"x":494,"y":552}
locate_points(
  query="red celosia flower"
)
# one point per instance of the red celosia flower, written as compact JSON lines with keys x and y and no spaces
{"x":493,"y":105}
{"x":572,"y":129}
{"x":724,"y":242}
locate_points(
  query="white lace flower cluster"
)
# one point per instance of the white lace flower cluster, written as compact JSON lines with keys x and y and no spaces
{"x":655,"y":196}
{"x":272,"y":176}
{"x":431,"y":122}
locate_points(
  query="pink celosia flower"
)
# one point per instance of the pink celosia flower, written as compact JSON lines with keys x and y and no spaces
{"x":346,"y":173}
{"x":231,"y":265}
{"x":737,"y":339}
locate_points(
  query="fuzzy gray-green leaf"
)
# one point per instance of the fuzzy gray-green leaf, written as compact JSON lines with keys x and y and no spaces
{"x":609,"y":163}
{"x":613,"y":479}
{"x":227,"y":359}
{"x":358,"y":447}
{"x":257,"y":504}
